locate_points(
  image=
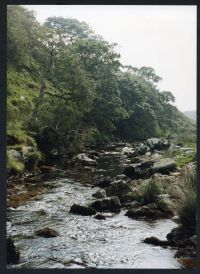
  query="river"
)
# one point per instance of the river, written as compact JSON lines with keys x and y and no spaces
{"x":84,"y":242}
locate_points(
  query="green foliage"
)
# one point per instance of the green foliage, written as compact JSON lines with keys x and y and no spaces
{"x":13,"y":166}
{"x":64,"y":76}
{"x":188,"y":200}
{"x":150,"y":191}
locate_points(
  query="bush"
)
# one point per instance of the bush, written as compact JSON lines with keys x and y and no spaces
{"x":150,"y":191}
{"x":188,"y":200}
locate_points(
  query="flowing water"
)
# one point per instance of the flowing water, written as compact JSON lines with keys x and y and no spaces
{"x":85,"y":242}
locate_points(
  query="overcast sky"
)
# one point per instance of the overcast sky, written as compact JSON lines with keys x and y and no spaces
{"x":162,"y":37}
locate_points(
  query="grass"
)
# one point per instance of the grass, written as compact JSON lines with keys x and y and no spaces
{"x":185,"y":159}
{"x":13,"y":166}
{"x":150,"y":191}
{"x":188,"y":200}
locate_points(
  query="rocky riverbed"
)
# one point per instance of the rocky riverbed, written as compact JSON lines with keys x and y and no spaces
{"x":83,"y":213}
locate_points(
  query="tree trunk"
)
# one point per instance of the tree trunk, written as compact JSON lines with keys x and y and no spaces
{"x":38,"y":101}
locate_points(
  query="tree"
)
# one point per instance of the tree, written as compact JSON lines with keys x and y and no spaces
{"x":148,"y":73}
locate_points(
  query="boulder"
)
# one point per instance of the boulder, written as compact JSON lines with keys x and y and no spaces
{"x":47,"y":232}
{"x":111,"y":204}
{"x":121,"y":177}
{"x":142,"y":149}
{"x":13,"y":254}
{"x":99,"y":194}
{"x":83,"y":160}
{"x":145,"y":212}
{"x":118,"y":188}
{"x":103,"y":181}
{"x":154,"y":143}
{"x":82,"y":210}
{"x":164,"y":166}
{"x":178,"y":235}
{"x":139,"y":171}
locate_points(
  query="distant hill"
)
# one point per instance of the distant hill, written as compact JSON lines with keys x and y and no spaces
{"x":191,"y":114}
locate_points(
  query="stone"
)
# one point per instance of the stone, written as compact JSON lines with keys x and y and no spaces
{"x":118,"y":188}
{"x":47,"y":232}
{"x":145,"y":212}
{"x":139,"y":171}
{"x":128,"y":150}
{"x":121,"y":177}
{"x":99,"y":194}
{"x":154,"y":143}
{"x":99,"y":216}
{"x":83,"y":160}
{"x":13,"y":254}
{"x":164,"y":166}
{"x":142,"y":149}
{"x":155,"y":241}
{"x":103,"y":181}
{"x":82,"y":210}
{"x":111,"y":204}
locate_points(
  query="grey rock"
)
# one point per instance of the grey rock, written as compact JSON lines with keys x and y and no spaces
{"x":82,"y":210}
{"x":100,"y":194}
{"x":111,"y":204}
{"x":83,"y":160}
{"x":47,"y":232}
{"x":164,"y":166}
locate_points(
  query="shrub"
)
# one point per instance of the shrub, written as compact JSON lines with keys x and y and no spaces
{"x":150,"y":191}
{"x":188,"y":200}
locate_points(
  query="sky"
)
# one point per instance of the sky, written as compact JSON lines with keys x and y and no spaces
{"x":162,"y":37}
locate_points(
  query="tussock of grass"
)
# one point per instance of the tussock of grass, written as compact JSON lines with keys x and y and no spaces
{"x":150,"y":191}
{"x":188,"y":200}
{"x":14,"y":166}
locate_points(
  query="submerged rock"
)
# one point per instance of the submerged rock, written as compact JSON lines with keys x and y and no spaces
{"x":164,"y":166}
{"x":82,"y":210}
{"x":47,"y":232}
{"x":13,"y":254}
{"x":111,"y":204}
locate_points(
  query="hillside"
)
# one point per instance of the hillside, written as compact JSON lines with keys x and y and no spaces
{"x":191,"y":114}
